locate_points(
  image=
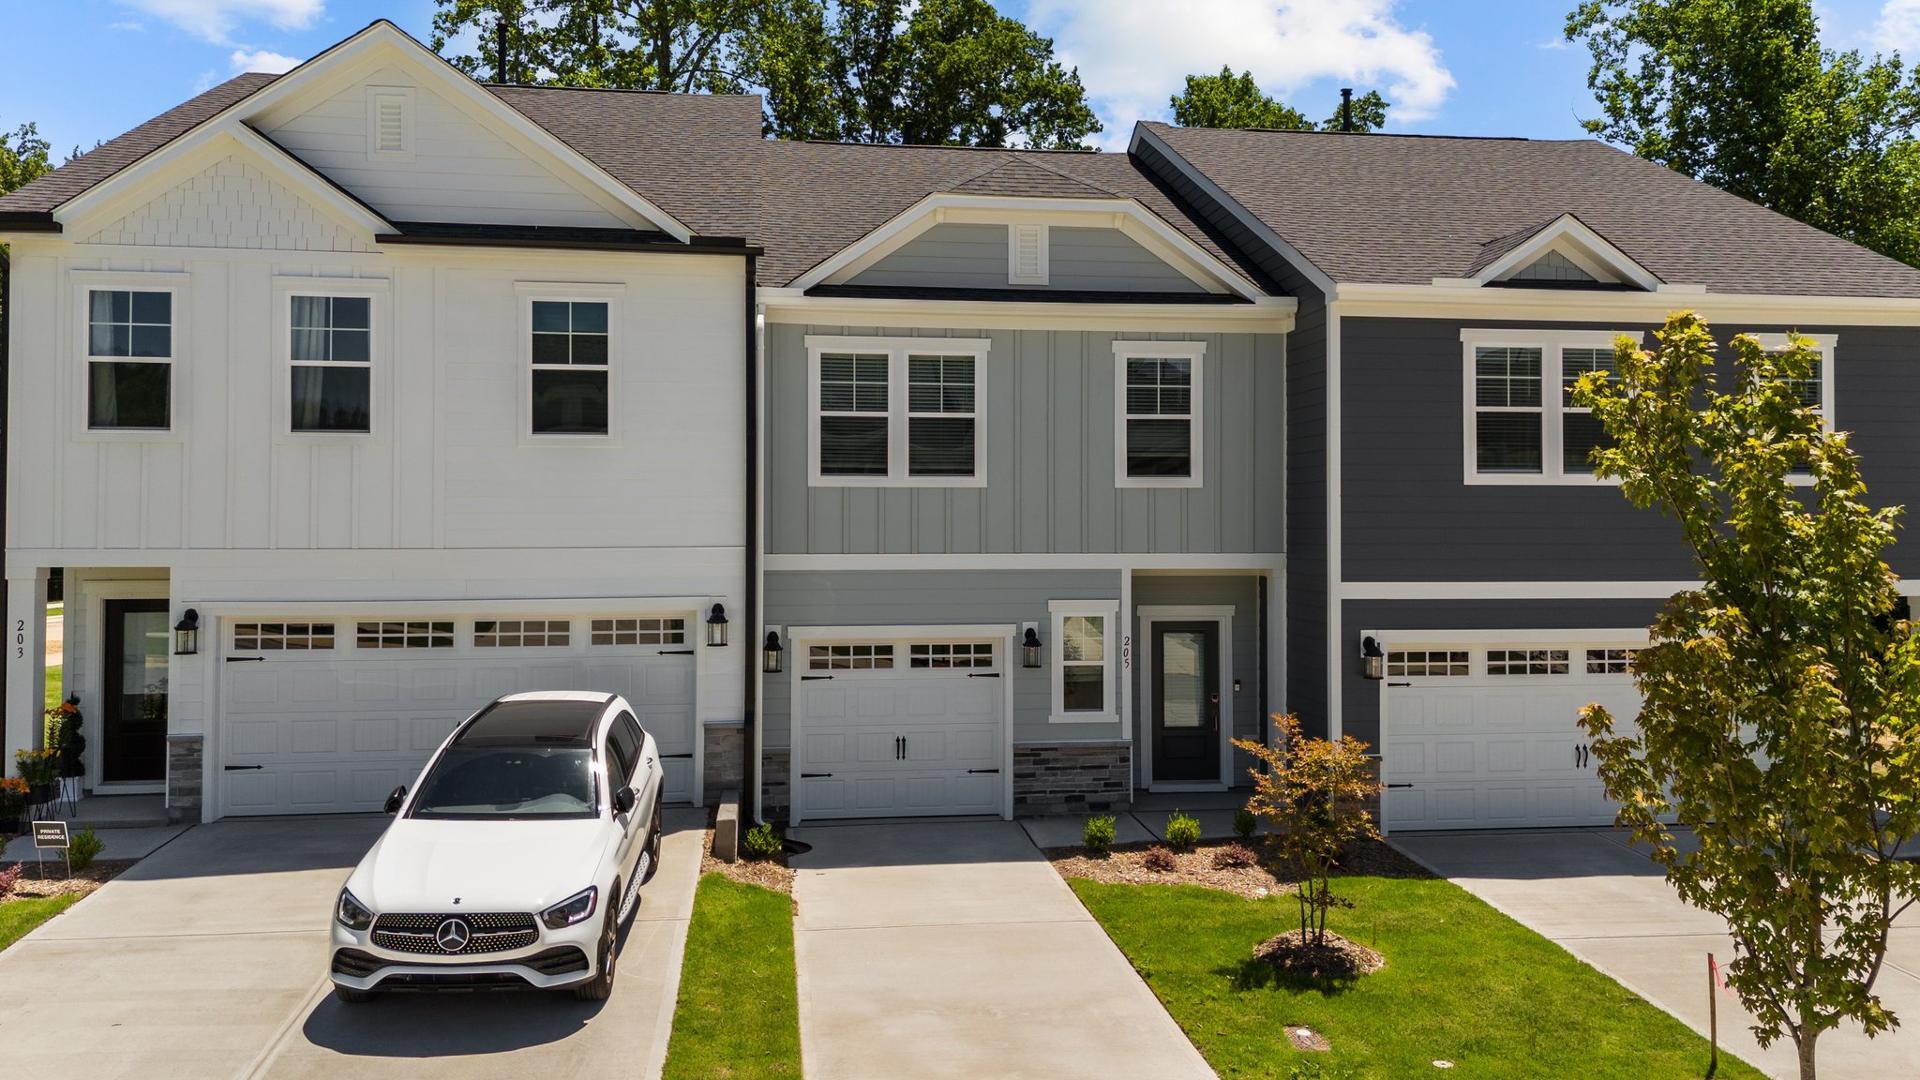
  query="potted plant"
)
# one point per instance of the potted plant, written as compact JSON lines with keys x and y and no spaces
{"x":41,"y":770}
{"x":63,"y":734}
{"x":13,"y":804}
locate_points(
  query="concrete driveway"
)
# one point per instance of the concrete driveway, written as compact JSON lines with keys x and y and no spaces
{"x":1608,"y":904}
{"x":952,"y":949}
{"x":208,"y":959}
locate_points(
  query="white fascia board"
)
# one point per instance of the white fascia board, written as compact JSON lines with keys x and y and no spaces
{"x":149,"y":177}
{"x":1582,"y":246}
{"x":791,"y":305}
{"x":1573,"y":305}
{"x":1126,"y":215}
{"x":1512,"y":590}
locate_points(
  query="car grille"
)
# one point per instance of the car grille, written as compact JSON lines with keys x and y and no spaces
{"x":491,"y":932}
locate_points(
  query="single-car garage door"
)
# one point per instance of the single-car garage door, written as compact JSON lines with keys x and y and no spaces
{"x":905,"y":728}
{"x":329,"y":715}
{"x":1479,"y":738}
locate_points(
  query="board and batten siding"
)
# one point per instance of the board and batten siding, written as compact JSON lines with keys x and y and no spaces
{"x":1047,"y":447}
{"x":965,"y":256}
{"x":931,"y":598}
{"x":458,"y":170}
{"x":1409,"y":515}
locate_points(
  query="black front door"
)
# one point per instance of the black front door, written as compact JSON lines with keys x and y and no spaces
{"x":1186,"y":703}
{"x":133,"y":731}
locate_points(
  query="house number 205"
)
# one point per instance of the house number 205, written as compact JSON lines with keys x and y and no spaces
{"x":1126,"y":651}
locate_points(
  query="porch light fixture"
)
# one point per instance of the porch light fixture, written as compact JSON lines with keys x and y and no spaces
{"x":1373,"y":658}
{"x":771,"y":654}
{"x":186,"y":633}
{"x":717,"y":626}
{"x":1030,"y":649}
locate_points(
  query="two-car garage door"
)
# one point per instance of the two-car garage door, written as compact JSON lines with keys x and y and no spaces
{"x":1478,"y":737}
{"x":329,"y":715}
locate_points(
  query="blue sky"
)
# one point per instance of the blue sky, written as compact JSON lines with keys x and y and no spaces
{"x":86,"y":70}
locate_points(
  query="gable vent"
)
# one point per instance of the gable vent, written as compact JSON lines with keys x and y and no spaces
{"x":1026,"y":254}
{"x":390,"y":122}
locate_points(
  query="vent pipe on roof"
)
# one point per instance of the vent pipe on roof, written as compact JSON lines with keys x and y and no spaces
{"x":1346,"y":108}
{"x":500,"y":48}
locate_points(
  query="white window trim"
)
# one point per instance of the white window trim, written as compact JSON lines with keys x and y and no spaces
{"x":372,"y":290}
{"x":1058,"y":611}
{"x":1195,"y":351}
{"x":376,"y":95}
{"x":1044,"y":269}
{"x":1824,"y":344}
{"x":897,"y":350}
{"x":173,"y":282}
{"x":1550,"y":343}
{"x":609,"y":294}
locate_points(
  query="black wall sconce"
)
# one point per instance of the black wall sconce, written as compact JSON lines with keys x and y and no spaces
{"x":717,"y":625}
{"x":186,"y":633}
{"x":1030,"y":649}
{"x":1373,"y":657}
{"x":771,"y":654}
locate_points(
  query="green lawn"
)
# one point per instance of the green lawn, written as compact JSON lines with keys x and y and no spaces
{"x":53,"y":686}
{"x":739,"y":1013}
{"x":1463,"y":983}
{"x":17,"y":917}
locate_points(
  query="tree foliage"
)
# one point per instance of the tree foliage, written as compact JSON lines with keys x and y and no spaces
{"x":1315,"y":793}
{"x":23,"y":157}
{"x":1740,"y":94}
{"x":1227,"y":100}
{"x":1781,"y":711}
{"x":935,"y":71}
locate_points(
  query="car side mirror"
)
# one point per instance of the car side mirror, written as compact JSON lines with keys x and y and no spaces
{"x":623,"y":800}
{"x":396,"y":799}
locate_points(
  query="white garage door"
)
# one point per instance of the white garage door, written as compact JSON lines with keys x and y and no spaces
{"x":899,"y":729}
{"x":1483,"y":738}
{"x":328,"y":716}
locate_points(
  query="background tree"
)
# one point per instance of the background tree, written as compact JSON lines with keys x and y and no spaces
{"x":1740,"y":94}
{"x":1781,"y":700}
{"x":23,"y":157}
{"x":680,"y":45}
{"x":1227,"y":100}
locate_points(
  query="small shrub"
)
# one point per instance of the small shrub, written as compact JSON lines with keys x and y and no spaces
{"x":1159,"y":859}
{"x":83,"y":847}
{"x":1098,"y":834}
{"x":1182,"y":831}
{"x":761,"y":842}
{"x":1233,"y":857}
{"x":1245,"y":823}
{"x":9,"y":877}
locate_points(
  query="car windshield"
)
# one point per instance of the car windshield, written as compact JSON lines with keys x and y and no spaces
{"x":492,"y":780}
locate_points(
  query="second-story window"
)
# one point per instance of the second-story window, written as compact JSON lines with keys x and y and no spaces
{"x":853,"y":414}
{"x":129,"y":360}
{"x":569,"y":369}
{"x":940,"y":401}
{"x":898,"y":412}
{"x":332,"y":359}
{"x":1522,"y":426}
{"x":1158,"y":413}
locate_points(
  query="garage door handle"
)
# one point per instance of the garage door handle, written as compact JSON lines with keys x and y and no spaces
{"x":246,"y":659}
{"x":815,"y":775}
{"x":687,"y":754}
{"x":814,"y":678}
{"x":982,"y":770}
{"x":984,"y":675}
{"x":1399,"y":785}
{"x":1399,"y":684}
{"x":241,"y":768}
{"x":676,"y":652}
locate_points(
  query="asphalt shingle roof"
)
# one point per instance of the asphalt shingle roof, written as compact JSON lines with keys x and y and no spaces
{"x":1398,"y":209}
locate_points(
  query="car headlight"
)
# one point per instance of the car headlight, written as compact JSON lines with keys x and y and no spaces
{"x":352,"y":913}
{"x":573,"y":909}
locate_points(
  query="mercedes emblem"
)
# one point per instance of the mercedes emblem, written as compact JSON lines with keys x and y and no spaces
{"x":452,"y":934}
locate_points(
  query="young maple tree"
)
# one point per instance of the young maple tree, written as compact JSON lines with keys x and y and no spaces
{"x":1315,"y":793}
{"x":1781,"y":699}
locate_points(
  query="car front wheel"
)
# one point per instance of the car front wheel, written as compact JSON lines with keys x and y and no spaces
{"x":600,"y":987}
{"x":653,"y":848}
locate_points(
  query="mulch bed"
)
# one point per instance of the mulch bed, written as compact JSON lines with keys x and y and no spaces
{"x":1128,"y":866}
{"x":1338,"y":958}
{"x":57,"y":884}
{"x":771,"y":873}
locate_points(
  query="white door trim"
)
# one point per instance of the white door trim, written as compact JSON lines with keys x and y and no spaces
{"x":97,"y":592}
{"x":1002,"y":635}
{"x":1222,"y":615}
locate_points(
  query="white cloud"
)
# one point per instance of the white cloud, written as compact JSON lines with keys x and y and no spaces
{"x":1898,"y":27}
{"x":261,"y":60}
{"x":215,"y":20}
{"x":1134,"y":54}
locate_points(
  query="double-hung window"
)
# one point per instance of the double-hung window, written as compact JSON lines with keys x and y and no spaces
{"x":331,"y":352}
{"x":1083,"y":660}
{"x":898,"y":412}
{"x":1521,"y":424}
{"x":570,"y":352}
{"x":1816,"y":390}
{"x":1157,"y":413}
{"x":129,"y":360}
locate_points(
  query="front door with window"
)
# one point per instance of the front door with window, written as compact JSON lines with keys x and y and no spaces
{"x":1186,"y":703}
{"x":133,"y":747}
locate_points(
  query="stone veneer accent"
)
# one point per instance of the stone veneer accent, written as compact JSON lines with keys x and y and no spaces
{"x":1072,"y":779}
{"x":726,"y":758}
{"x":184,"y":777}
{"x":774,"y":800}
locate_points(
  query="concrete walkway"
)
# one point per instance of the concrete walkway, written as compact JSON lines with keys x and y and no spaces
{"x":1608,"y":904}
{"x":208,"y":959}
{"x":952,"y":949}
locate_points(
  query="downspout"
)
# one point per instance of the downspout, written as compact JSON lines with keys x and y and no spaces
{"x":750,"y":732}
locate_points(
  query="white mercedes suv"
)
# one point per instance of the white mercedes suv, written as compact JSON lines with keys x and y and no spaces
{"x":514,"y":861}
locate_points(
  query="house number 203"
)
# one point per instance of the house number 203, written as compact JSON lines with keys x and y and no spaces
{"x":1126,"y":652}
{"x":20,"y":638}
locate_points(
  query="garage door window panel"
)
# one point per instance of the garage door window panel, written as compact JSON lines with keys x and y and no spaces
{"x":942,"y":655}
{"x":1433,"y":663}
{"x":850,"y":657}
{"x":1611,"y":661}
{"x":251,"y":637}
{"x":404,"y":635}
{"x":612,"y":632}
{"x":522,"y":633}
{"x":1528,"y":662}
